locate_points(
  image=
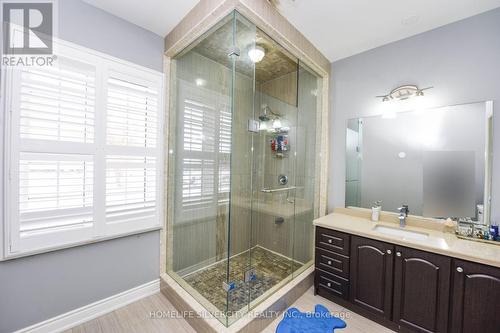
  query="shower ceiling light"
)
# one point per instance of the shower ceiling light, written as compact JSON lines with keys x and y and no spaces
{"x":256,"y":53}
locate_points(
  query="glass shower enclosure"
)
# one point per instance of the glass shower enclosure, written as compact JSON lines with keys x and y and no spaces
{"x":242,"y":173}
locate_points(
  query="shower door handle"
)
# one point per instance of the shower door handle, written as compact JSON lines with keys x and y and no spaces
{"x":268,"y":190}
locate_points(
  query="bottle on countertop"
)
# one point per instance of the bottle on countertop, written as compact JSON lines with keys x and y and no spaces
{"x":376,"y":209}
{"x":494,"y":232}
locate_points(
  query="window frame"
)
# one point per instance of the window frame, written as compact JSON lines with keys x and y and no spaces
{"x":104,"y":65}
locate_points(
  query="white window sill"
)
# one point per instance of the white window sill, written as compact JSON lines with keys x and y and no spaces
{"x":68,"y":246}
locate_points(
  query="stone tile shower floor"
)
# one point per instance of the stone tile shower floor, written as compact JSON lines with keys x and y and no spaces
{"x":270,"y":269}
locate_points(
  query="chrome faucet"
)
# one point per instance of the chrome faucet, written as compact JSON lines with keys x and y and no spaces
{"x":403,"y":214}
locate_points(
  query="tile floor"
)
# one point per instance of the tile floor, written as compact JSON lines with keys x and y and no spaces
{"x":270,"y":269}
{"x":135,"y":317}
{"x":355,"y":323}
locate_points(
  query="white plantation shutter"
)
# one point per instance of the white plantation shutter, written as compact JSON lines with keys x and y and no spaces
{"x":55,"y":191}
{"x":132,"y":154}
{"x":204,"y":151}
{"x":51,"y":166}
{"x":132,"y":114}
{"x":130,"y":188}
{"x":225,"y":129}
{"x":83,"y":150}
{"x":224,"y":157}
{"x":198,"y":183}
{"x":58,"y":103}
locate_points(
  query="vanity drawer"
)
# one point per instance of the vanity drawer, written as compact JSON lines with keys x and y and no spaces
{"x":332,"y":240}
{"x":331,"y":285}
{"x":332,"y":262}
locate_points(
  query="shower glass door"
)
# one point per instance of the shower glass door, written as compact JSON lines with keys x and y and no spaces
{"x":239,"y":228}
{"x":263,"y":168}
{"x":307,"y":165}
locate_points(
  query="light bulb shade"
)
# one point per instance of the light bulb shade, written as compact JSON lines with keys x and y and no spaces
{"x":276,"y":123}
{"x":256,"y":53}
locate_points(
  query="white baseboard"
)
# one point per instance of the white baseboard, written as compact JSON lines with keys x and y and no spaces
{"x":88,"y":312}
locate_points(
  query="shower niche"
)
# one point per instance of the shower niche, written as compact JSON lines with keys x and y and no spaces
{"x":243,"y":118}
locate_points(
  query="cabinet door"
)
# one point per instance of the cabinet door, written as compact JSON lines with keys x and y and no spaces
{"x":475,"y":298}
{"x":421,"y":290}
{"x":371,"y":275}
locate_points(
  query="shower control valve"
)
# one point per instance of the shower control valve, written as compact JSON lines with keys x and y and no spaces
{"x":282,"y":179}
{"x":279,"y":220}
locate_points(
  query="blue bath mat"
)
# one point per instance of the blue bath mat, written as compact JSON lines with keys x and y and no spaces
{"x":321,"y":321}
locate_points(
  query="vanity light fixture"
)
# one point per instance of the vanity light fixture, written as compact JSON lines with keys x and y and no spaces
{"x":256,"y":53}
{"x":404,"y":92}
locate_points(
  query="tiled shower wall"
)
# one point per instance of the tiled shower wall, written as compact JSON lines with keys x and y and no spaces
{"x":293,"y":238}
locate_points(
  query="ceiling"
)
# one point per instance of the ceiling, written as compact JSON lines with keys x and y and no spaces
{"x":338,"y":28}
{"x":276,"y":63}
{"x":158,"y":16}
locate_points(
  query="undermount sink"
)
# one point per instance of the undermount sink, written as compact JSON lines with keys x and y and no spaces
{"x":408,"y":234}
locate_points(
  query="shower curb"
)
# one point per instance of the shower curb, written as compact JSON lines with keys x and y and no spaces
{"x":252,"y":322}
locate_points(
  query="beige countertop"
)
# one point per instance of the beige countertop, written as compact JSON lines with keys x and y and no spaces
{"x":440,"y":242}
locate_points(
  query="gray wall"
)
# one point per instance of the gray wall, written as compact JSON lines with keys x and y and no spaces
{"x":39,"y":287}
{"x":461,"y":60}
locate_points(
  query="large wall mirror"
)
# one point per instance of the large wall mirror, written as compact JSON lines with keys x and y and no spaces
{"x":437,"y":161}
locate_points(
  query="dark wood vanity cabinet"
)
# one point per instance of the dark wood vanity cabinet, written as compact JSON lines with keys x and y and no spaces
{"x":475,"y":298}
{"x":421,"y":290}
{"x":333,"y":241}
{"x":371,"y":275}
{"x":331,"y":278}
{"x":405,"y":289}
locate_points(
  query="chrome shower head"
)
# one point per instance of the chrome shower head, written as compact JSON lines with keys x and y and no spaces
{"x":267,"y":114}
{"x":264,"y":117}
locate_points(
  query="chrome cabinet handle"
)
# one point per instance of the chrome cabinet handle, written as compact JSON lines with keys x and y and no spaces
{"x":329,"y":262}
{"x":389,"y":252}
{"x":398,"y":254}
{"x":329,"y":241}
{"x":460,"y":269}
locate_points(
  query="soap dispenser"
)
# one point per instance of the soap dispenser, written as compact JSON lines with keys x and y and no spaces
{"x":376,"y":209}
